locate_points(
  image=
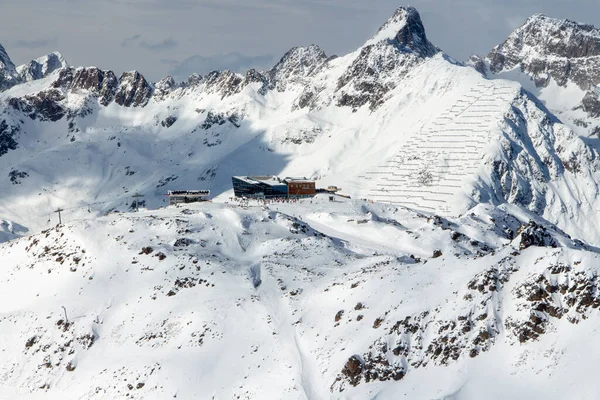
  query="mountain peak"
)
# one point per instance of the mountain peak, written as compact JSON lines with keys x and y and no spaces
{"x":297,"y":63}
{"x":405,"y":29}
{"x":41,"y":67}
{"x":548,"y":47}
{"x":8,"y":71}
{"x":5,"y":61}
{"x":557,"y":23}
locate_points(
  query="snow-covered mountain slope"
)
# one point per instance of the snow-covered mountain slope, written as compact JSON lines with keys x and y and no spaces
{"x":386,"y":122}
{"x":479,"y":280}
{"x":308,"y":300}
{"x":559,"y":61}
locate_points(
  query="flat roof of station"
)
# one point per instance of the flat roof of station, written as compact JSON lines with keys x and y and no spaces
{"x":268,"y":180}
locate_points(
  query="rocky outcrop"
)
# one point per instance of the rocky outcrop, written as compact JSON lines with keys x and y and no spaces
{"x":560,"y":291}
{"x":226,"y":83}
{"x":544,"y":47}
{"x":134,"y":90}
{"x":430,"y":337}
{"x":553,"y":49}
{"x":534,"y":234}
{"x":405,"y":30}
{"x":297,"y":64}
{"x":194,"y":80}
{"x":399,"y":46}
{"x":254,"y":76}
{"x":44,"y":106}
{"x":591,"y":104}
{"x":165,"y":86}
{"x":41,"y":67}
{"x":102,"y":83}
{"x":8,"y":135}
{"x":8,"y":72}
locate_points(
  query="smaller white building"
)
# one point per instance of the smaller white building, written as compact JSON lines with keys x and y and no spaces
{"x":187,"y":196}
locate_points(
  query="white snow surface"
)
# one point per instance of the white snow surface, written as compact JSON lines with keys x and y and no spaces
{"x":219,"y":301}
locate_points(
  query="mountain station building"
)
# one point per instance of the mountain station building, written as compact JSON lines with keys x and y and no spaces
{"x":272,"y":187}
{"x":259,"y":187}
{"x":187,"y":196}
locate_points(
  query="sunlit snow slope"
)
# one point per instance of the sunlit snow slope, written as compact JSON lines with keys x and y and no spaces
{"x":321,"y":300}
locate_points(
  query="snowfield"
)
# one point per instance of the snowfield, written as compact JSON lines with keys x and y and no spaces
{"x":219,"y":301}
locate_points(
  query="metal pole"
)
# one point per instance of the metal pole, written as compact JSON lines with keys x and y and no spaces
{"x":136,"y":196}
{"x":59,"y":218}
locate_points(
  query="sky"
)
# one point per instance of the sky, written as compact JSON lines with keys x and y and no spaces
{"x":180,"y":37}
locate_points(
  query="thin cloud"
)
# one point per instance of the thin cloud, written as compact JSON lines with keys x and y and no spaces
{"x":166,"y":44}
{"x":169,"y":61}
{"x":233,"y":61}
{"x":136,"y":40}
{"x":35,"y":44}
{"x":130,"y":40}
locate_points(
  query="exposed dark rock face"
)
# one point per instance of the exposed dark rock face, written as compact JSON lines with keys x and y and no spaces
{"x":400,"y":44}
{"x":563,"y":49}
{"x":533,"y":234}
{"x":16,"y":176}
{"x":45,"y":105}
{"x":213,"y":119}
{"x":560,"y":291}
{"x":430,"y":337}
{"x":254,"y":76}
{"x":64,"y":79}
{"x":194,"y":80}
{"x":295,"y":65}
{"x":547,"y":48}
{"x":478,"y":63}
{"x":226,"y":83}
{"x":169,"y":121}
{"x":164,"y":87}
{"x":133,"y":91}
{"x":353,"y":370}
{"x":101,"y":83}
{"x":7,"y":137}
{"x":591,"y":104}
{"x":411,"y":34}
{"x":8,"y":72}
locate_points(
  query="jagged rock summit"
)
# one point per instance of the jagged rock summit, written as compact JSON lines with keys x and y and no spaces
{"x":41,"y":67}
{"x":545,"y":47}
{"x":558,"y":60}
{"x":405,"y":29}
{"x":8,"y":72}
{"x":36,"y":69}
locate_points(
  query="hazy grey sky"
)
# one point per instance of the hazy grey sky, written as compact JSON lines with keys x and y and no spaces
{"x":160,"y":37}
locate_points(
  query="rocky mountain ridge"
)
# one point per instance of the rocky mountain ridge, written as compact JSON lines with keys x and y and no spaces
{"x":550,"y":51}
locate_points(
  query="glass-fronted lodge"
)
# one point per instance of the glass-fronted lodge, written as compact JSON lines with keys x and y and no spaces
{"x":259,"y":187}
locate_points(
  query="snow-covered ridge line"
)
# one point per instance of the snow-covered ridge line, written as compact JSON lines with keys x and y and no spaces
{"x":352,"y":299}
